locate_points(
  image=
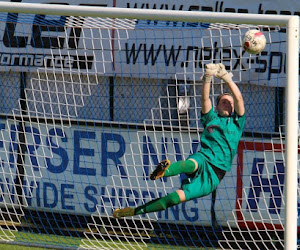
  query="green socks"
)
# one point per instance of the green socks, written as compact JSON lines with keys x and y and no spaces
{"x":180,"y":167}
{"x":159,"y":204}
{"x":171,"y":199}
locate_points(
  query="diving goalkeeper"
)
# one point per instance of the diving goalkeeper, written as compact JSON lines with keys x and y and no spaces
{"x":219,"y":141}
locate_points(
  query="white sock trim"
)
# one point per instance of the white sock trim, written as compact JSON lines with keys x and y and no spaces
{"x":196,"y":164}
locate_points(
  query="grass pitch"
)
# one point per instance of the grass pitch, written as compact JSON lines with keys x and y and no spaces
{"x":34,"y":241}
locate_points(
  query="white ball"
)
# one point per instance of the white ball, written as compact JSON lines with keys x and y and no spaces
{"x":254,"y":41}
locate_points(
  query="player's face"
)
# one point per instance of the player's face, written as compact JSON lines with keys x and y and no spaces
{"x":225,"y":106}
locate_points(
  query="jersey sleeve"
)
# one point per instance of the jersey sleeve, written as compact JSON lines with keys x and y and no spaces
{"x":206,"y":118}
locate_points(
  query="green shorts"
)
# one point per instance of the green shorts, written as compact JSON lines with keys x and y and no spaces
{"x":202,"y":182}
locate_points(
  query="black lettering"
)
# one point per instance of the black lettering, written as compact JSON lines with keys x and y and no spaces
{"x":207,"y":8}
{"x":285,"y":12}
{"x":83,"y":62}
{"x":261,"y":62}
{"x":205,"y":55}
{"x":151,"y":54}
{"x":260,"y":11}
{"x":221,"y":6}
{"x":239,"y":60}
{"x":39,"y":41}
{"x":194,"y":8}
{"x":36,"y":60}
{"x":132,"y":54}
{"x":75,"y":35}
{"x":228,"y":52}
{"x":163,"y":6}
{"x":171,"y":55}
{"x":232,"y":10}
{"x":277,"y":64}
{"x":243,"y":11}
{"x":180,"y":8}
{"x":216,"y":49}
{"x":9,"y":39}
{"x":193,"y":49}
{"x":271,"y":12}
{"x":134,"y":6}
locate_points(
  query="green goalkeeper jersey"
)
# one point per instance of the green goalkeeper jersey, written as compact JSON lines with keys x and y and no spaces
{"x":220,"y":138}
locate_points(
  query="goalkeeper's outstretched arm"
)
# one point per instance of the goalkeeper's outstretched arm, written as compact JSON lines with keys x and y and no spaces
{"x":210,"y":71}
{"x":238,"y":98}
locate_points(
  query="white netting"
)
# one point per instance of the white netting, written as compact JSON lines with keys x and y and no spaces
{"x":51,"y":101}
{"x":102,"y":101}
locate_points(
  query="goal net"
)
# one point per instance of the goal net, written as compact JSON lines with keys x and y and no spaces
{"x":90,"y":105}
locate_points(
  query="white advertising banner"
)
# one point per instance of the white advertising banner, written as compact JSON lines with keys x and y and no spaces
{"x":157,"y":53}
{"x":108,"y":168}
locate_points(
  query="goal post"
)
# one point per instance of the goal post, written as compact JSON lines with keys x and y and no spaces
{"x":292,"y":127}
{"x":113,"y":81}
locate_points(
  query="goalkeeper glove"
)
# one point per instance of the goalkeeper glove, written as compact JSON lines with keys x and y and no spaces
{"x":210,"y":71}
{"x":222,"y":73}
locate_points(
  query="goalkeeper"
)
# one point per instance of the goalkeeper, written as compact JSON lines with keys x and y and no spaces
{"x":219,"y":141}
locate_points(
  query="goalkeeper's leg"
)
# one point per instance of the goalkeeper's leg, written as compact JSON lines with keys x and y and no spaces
{"x":165,"y":168}
{"x":156,"y":205}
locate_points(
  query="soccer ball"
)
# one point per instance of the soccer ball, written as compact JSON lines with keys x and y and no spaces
{"x":254,"y":41}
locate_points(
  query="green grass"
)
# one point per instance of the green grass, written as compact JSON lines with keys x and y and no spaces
{"x":32,"y":241}
{"x":18,"y":247}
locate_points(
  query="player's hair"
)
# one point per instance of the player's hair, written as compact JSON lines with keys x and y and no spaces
{"x":221,"y":95}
